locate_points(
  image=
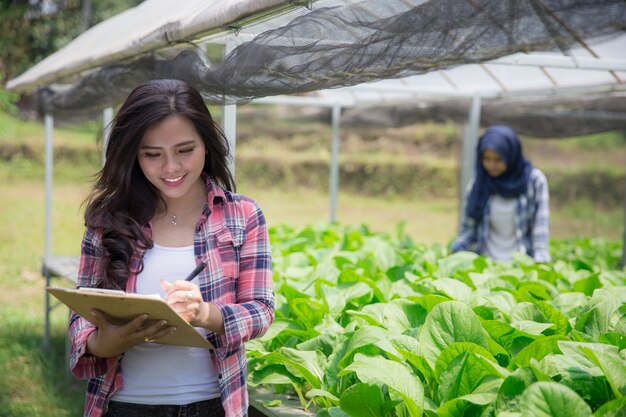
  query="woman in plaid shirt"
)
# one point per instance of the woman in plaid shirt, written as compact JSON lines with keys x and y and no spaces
{"x":507,"y":204}
{"x":162,"y":204}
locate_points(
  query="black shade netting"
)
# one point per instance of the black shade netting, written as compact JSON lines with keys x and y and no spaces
{"x":351,"y":43}
{"x":541,"y":117}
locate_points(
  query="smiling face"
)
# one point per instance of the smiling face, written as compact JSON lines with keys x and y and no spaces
{"x":171,"y":156}
{"x":493,"y":163}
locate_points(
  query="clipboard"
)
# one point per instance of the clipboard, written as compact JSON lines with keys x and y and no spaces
{"x":124,"y":306}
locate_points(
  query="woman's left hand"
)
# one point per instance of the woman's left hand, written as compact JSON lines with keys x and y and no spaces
{"x":185,"y":298}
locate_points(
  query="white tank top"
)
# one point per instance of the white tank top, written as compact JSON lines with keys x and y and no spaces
{"x":164,"y":374}
{"x":501,"y":239}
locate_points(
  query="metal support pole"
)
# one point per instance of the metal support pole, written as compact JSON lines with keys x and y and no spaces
{"x":107,"y":117}
{"x":48,"y":128}
{"x":468,"y":155}
{"x":229,"y":121}
{"x":624,"y":237}
{"x":334,"y":164}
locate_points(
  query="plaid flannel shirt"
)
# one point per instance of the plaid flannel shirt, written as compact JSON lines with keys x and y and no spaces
{"x":232,"y":232}
{"x":532,"y":222}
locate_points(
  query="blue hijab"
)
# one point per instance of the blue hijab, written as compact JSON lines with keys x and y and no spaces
{"x":513,"y":182}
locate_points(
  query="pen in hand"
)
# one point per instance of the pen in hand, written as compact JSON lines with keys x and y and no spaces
{"x":197,"y":270}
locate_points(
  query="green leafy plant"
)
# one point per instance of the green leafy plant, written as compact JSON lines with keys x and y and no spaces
{"x":372,"y":325}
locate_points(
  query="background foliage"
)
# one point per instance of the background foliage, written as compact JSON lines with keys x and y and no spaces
{"x":30,"y":30}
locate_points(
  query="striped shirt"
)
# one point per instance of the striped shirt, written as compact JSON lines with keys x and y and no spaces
{"x":532,"y":222}
{"x":233,"y":234}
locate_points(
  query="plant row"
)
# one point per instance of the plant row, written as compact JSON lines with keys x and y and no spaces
{"x":372,"y":325}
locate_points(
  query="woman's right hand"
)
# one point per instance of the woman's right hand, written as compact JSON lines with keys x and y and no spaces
{"x":111,"y":339}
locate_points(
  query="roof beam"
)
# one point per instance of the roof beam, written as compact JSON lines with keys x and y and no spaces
{"x":558,"y":61}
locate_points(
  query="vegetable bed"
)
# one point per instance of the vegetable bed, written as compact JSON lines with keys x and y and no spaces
{"x":375,"y":325}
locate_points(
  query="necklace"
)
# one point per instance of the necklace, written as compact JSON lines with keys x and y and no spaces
{"x":174,"y":216}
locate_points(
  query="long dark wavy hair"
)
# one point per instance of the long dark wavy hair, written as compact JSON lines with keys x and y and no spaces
{"x":123,"y":200}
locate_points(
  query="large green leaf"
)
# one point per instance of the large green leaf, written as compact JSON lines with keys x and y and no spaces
{"x":326,"y":270}
{"x":448,"y":323}
{"x":463,"y":406}
{"x":328,"y":326}
{"x":309,"y":312}
{"x":278,"y":326}
{"x":471,"y":404}
{"x":383,"y":253}
{"x":453,"y":288}
{"x":539,"y":371}
{"x":369,"y":340}
{"x":512,"y":388}
{"x":396,"y":376}
{"x":451,"y":352}
{"x":345,"y":258}
{"x":298,"y":276}
{"x":595,"y":319}
{"x":337,"y":297}
{"x":331,"y":412}
{"x":415,"y":313}
{"x":451,"y":265}
{"x":615,"y":408}
{"x":531,"y":327}
{"x":613,"y":338}
{"x":327,"y":342}
{"x":274,"y":374}
{"x":618,"y":320}
{"x":537,"y":350}
{"x":381,"y":285}
{"x":403,"y":289}
{"x":588,"y":285}
{"x":502,"y":300}
{"x":408,"y":347}
{"x":573,"y":349}
{"x":428,"y":302}
{"x":303,"y":363}
{"x":332,"y":370}
{"x":574,"y":370}
{"x":569,"y":303}
{"x":499,"y":353}
{"x":613,"y":367}
{"x":540,"y":312}
{"x":316,"y":393}
{"x":510,"y":338}
{"x":465,"y":373}
{"x":333,"y":298}
{"x":533,"y":291}
{"x":487,"y":280}
{"x":397,"y":316}
{"x":362,"y":400}
{"x":296,"y":259}
{"x":550,"y":399}
{"x":391,"y":316}
{"x":558,"y":319}
{"x":291,"y":289}
{"x":527,"y":311}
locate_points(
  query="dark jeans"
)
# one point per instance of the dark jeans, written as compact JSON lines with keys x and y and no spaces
{"x":208,"y":408}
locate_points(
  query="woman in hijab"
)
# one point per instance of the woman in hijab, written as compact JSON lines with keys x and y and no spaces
{"x":507,"y":205}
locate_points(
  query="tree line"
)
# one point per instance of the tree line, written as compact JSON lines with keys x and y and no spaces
{"x":30,"y":30}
